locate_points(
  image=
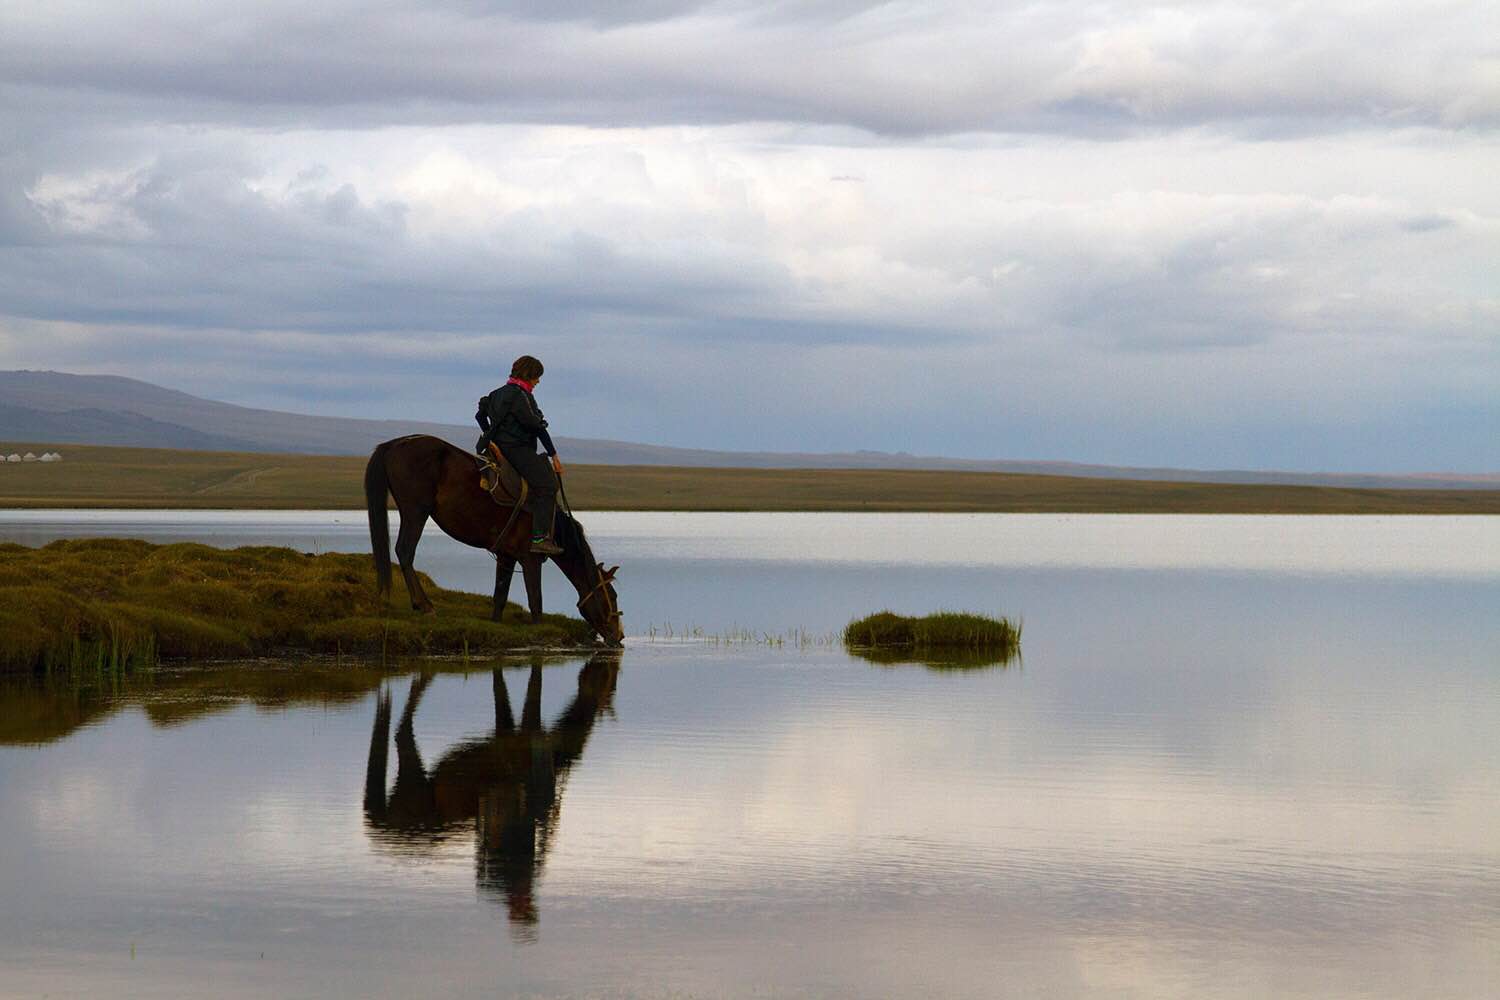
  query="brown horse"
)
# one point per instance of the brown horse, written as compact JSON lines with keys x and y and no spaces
{"x":429,"y":477}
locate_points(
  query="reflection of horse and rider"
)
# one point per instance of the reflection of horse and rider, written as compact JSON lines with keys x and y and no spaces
{"x":508,"y":783}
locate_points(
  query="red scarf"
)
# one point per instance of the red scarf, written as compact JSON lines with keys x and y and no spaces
{"x":520,"y":382}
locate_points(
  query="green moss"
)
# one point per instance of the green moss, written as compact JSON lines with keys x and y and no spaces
{"x":946,"y":631}
{"x":180,"y":635}
{"x":118,"y":603}
{"x":41,"y":627}
{"x":427,"y":636}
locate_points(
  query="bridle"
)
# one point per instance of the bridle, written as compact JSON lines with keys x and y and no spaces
{"x":601,"y":587}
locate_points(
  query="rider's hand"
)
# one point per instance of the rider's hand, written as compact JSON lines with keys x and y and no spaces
{"x":557,"y":465}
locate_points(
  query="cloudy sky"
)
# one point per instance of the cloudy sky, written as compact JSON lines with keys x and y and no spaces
{"x":1209,"y":234}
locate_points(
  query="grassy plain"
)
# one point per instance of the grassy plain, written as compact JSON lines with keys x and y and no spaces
{"x":92,"y":476}
{"x":111,"y":604}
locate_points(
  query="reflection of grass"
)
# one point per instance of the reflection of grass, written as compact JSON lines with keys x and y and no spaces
{"x":41,"y":709}
{"x":31,"y":713}
{"x":938,"y":659}
{"x":947,"y":638}
{"x":109,"y":605}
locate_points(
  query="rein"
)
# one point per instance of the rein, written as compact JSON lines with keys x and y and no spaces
{"x":599,"y":585}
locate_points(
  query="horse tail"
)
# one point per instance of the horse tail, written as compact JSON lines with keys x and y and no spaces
{"x":377,"y":486}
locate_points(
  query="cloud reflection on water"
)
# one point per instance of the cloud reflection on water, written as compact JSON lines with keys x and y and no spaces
{"x":1270,"y":787}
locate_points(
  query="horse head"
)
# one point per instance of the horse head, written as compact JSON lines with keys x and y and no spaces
{"x":598,"y":602}
{"x":600,"y":605}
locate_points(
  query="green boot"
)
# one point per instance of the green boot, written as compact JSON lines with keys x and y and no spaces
{"x":542,"y":545}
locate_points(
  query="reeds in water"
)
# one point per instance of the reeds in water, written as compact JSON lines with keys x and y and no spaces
{"x":735,"y":635}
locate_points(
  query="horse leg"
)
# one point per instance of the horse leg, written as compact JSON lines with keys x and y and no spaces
{"x":412,"y":523}
{"x":531,"y":709}
{"x":531,"y":571}
{"x":412,"y":792}
{"x":505,"y":720}
{"x":505,"y":568}
{"x":380,"y":738}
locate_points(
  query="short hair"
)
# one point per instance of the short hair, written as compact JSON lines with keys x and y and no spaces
{"x":526,"y":368}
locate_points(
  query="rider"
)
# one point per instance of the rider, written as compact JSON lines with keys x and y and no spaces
{"x":511,"y":419}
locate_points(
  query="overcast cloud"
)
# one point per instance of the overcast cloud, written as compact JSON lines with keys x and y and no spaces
{"x":1200,"y":235}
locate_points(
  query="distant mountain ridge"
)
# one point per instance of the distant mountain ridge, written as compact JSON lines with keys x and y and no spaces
{"x":56,"y":408}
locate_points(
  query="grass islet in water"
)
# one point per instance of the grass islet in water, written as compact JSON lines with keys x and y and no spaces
{"x":122,"y":603}
{"x":944,"y":639}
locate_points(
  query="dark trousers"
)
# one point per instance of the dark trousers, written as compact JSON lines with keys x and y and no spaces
{"x":541,"y":498}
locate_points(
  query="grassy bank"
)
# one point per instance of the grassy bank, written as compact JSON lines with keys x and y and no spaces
{"x":115,"y":604}
{"x":93,"y":476}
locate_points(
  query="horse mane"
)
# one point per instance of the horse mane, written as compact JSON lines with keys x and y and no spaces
{"x":569,"y":534}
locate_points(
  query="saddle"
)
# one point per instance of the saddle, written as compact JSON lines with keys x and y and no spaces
{"x":500,"y":480}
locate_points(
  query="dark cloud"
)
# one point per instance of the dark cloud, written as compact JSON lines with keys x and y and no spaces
{"x":1427,"y":223}
{"x":909,"y":69}
{"x":191,"y":241}
{"x":1105,"y":232}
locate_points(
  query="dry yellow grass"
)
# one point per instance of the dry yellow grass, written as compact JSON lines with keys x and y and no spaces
{"x":93,"y":476}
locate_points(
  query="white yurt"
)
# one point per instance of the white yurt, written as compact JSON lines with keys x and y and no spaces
{"x":12,"y":457}
{"x":51,"y":456}
{"x":30,"y":456}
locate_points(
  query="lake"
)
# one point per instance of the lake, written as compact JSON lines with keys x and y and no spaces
{"x":1239,"y":756}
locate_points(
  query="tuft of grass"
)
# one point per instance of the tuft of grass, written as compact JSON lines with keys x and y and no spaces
{"x":114,"y":605}
{"x":945,"y":630}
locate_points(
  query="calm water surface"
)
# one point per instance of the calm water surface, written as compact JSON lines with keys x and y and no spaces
{"x":1241,"y":757}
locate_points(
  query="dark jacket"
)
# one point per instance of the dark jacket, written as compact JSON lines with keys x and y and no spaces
{"x":510,"y":418}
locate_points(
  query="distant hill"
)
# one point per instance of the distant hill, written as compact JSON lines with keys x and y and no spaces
{"x":57,"y":408}
{"x":107,"y":409}
{"x":91,"y":424}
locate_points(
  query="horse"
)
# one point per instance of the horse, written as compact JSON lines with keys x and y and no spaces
{"x":507,"y":785}
{"x":430,"y":478}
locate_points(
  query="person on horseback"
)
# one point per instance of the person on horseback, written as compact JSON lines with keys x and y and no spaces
{"x":513,"y":422}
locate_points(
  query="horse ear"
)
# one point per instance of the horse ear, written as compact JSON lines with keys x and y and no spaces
{"x":611,"y":574}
